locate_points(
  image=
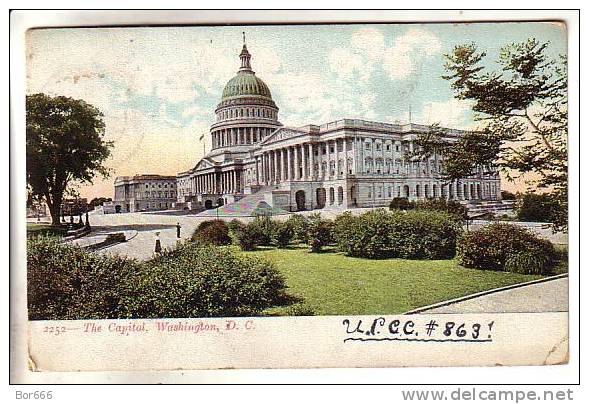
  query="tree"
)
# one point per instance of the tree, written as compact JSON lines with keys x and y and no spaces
{"x":99,"y":201}
{"x":522,"y":111}
{"x":535,"y":208}
{"x":65,"y":146}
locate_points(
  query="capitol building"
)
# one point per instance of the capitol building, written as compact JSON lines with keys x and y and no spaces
{"x":343,"y":164}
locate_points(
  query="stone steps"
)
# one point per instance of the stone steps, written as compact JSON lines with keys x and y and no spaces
{"x":250,"y":205}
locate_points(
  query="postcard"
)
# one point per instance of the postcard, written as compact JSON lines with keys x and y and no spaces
{"x":296,"y":195}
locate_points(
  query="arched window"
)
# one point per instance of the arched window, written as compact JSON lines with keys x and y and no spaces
{"x":340,"y":195}
{"x":368,"y":164}
{"x":331,"y":196}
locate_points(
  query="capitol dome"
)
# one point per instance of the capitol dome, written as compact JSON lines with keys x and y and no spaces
{"x":245,"y":84}
{"x":246,"y":114}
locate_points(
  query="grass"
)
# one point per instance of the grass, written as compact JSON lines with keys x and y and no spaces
{"x":332,"y":284}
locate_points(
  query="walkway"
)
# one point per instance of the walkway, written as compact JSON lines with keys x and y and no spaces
{"x":548,"y":296}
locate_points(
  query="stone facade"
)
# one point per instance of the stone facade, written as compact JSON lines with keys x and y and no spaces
{"x":144,"y":193}
{"x":346,"y":163}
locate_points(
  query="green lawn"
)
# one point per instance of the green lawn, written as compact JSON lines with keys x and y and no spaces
{"x":333,"y":284}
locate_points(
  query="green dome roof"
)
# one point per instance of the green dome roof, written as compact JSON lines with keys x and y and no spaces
{"x":245,"y":84}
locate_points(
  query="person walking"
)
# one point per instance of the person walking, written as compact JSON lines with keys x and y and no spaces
{"x":158,"y":243}
{"x":178,"y":227}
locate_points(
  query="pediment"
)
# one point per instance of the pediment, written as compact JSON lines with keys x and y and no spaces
{"x":282,"y":134}
{"x":203,"y":164}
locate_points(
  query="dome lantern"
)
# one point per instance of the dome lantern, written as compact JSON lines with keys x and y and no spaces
{"x":245,"y":57}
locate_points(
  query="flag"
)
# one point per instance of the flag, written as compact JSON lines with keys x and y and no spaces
{"x":201,"y":137}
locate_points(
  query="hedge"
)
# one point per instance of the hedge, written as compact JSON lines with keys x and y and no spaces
{"x":398,"y":234}
{"x":195,"y":280}
{"x":506,"y":247}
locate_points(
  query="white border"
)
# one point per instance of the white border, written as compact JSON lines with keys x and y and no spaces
{"x":21,"y":21}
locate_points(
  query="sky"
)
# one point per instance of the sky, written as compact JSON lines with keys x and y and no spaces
{"x":158,"y":86}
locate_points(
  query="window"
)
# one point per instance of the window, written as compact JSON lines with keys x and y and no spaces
{"x":397,"y":148}
{"x":367,"y":146}
{"x":378,"y":146}
{"x":388,"y":147}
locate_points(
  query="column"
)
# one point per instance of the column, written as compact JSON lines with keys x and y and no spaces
{"x":283,"y":165}
{"x":304,"y":161}
{"x":270,"y":168}
{"x":289,"y":163}
{"x":337,"y":159}
{"x":262,"y":169}
{"x":311,"y":162}
{"x":276,"y":176}
{"x":345,"y":162}
{"x":297,"y":162}
{"x":266,"y":168}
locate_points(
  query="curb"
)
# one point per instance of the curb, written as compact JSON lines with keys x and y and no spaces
{"x":484,"y":293}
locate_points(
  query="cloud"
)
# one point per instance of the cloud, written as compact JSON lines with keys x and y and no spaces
{"x":452,"y":113}
{"x":368,"y":41}
{"x":345,"y":63}
{"x":409,"y":52}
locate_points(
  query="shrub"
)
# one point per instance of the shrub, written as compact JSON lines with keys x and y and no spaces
{"x":527,"y":263}
{"x":64,"y":282}
{"x":413,"y":235}
{"x":261,"y":229}
{"x":508,"y":196}
{"x":502,"y":247}
{"x":366,"y":235}
{"x":195,"y":280}
{"x":299,"y":309}
{"x":246,"y":238}
{"x":299,"y":225}
{"x":319,"y":232}
{"x":442,"y":205}
{"x":199,"y":280}
{"x":282,"y":234}
{"x":235,"y":225}
{"x":213,"y":232}
{"x":113,"y":238}
{"x":401,"y":204}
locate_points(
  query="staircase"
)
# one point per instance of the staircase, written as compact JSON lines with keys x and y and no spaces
{"x":250,"y":205}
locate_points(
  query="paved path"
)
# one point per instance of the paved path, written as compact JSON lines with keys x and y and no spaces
{"x":142,"y":246}
{"x":548,"y":296}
